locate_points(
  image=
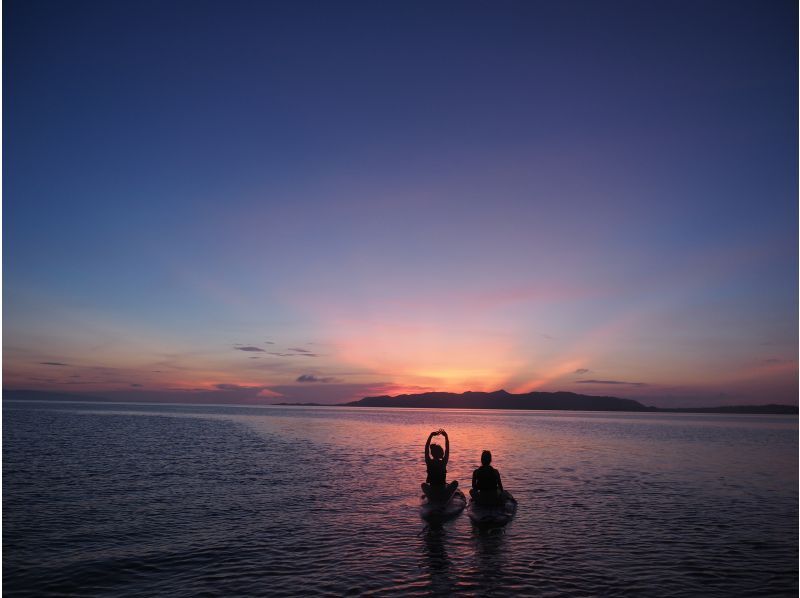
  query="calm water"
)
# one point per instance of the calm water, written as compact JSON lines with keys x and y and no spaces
{"x":139,"y":500}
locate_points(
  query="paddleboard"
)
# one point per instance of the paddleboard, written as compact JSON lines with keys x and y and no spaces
{"x":493,"y":515}
{"x":439,"y":512}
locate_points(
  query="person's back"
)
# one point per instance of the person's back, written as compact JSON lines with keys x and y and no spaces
{"x":487,"y":479}
{"x":486,"y":484}
{"x":437,"y":472}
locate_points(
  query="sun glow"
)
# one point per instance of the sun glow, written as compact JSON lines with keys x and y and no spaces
{"x":427,"y":356}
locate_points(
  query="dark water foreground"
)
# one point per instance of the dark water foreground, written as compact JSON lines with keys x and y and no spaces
{"x":135,"y":500}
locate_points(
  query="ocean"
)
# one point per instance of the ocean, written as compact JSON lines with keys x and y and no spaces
{"x":126,"y":500}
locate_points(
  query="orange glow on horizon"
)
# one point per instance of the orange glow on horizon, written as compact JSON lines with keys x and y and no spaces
{"x":427,"y":356}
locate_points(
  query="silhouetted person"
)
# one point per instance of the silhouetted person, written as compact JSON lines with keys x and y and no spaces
{"x":487,"y":489}
{"x":436,"y":487}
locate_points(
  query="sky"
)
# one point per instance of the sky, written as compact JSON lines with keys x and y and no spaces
{"x":247,"y":201}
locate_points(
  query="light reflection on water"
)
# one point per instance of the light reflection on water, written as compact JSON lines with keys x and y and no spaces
{"x":130,"y":500}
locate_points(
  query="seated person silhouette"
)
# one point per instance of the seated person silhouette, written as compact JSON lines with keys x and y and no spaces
{"x":436,"y":487}
{"x":487,"y":489}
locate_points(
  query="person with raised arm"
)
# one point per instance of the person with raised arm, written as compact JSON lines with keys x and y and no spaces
{"x":436,"y":487}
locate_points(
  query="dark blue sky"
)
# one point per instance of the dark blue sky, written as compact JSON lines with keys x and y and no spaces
{"x":184,"y":176}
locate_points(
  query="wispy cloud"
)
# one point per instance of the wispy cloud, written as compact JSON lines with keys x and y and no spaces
{"x":236,"y":387}
{"x":612,"y":382}
{"x":303,"y":354}
{"x":53,"y":363}
{"x":313,"y":378}
{"x":581,"y":371}
{"x":249,"y":348}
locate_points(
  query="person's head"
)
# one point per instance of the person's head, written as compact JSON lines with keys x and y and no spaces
{"x":437,"y":451}
{"x":486,"y":457}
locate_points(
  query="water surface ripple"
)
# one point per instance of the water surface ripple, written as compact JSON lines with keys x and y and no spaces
{"x":144,"y":500}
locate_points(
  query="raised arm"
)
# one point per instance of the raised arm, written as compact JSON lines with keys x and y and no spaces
{"x":446,"y":446}
{"x":428,"y":447}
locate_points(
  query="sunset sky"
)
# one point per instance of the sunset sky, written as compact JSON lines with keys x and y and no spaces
{"x":319,"y":201}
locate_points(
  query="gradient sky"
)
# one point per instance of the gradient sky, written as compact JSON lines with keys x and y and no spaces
{"x":319,"y":201}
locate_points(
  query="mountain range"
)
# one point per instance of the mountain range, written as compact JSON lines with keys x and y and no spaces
{"x":554,"y":401}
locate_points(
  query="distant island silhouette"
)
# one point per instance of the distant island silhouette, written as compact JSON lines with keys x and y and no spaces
{"x":499,"y":399}
{"x":547,"y":401}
